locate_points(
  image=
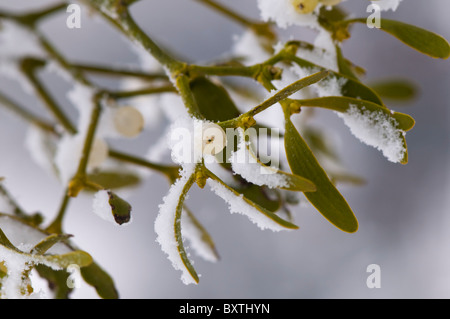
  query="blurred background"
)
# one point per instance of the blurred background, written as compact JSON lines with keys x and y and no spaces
{"x":403,"y":210}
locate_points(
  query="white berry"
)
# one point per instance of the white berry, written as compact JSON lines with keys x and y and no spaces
{"x":128,"y":121}
{"x":305,"y":6}
{"x":213,"y":139}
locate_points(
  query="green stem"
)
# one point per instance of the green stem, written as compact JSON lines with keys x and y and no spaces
{"x":78,"y":182}
{"x":276,"y":98}
{"x":118,"y":72}
{"x":29,"y":67}
{"x":183,"y":86}
{"x":145,"y":91}
{"x":117,"y":13}
{"x":169,"y":171}
{"x":260,"y":28}
{"x":55,"y":226}
{"x":30,"y":19}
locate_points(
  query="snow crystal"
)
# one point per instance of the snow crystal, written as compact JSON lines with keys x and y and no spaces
{"x":194,"y":235}
{"x":245,"y":163}
{"x":283,"y":13}
{"x":165,"y":221}
{"x":376,"y":129}
{"x":237,"y":204}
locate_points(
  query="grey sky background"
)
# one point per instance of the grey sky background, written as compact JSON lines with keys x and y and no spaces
{"x":403,"y":211}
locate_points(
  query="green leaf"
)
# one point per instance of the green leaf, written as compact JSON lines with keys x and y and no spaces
{"x":422,"y":40}
{"x":57,"y":280}
{"x":342,"y":104}
{"x":4,"y":241}
{"x":114,"y":180}
{"x":95,"y":276}
{"x":48,"y":242}
{"x":78,"y":257}
{"x":399,"y":90}
{"x":327,"y":199}
{"x":120,"y":209}
{"x":343,"y":64}
{"x":213,"y":101}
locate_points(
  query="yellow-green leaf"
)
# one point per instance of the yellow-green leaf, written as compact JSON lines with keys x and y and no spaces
{"x":213,"y":101}
{"x":399,"y":90}
{"x":95,"y":276}
{"x":114,"y":180}
{"x":326,"y":199}
{"x":422,"y":40}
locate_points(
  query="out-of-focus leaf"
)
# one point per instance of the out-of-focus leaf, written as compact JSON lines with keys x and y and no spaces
{"x":327,"y":199}
{"x":342,"y":104}
{"x":95,"y":276}
{"x":213,"y":101}
{"x":422,"y":40}
{"x":260,"y":195}
{"x":205,"y":237}
{"x":346,"y":178}
{"x":343,"y":65}
{"x":317,"y":142}
{"x":335,"y":14}
{"x":114,"y":180}
{"x":399,"y":90}
{"x":57,"y":281}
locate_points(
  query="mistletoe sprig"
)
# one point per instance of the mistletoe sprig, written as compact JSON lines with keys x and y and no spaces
{"x":296,"y":76}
